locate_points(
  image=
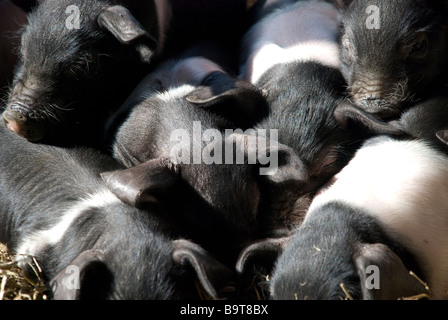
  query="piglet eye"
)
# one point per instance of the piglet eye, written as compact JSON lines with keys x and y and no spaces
{"x":419,"y":49}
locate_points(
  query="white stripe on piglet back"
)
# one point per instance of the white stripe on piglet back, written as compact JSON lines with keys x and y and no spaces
{"x":306,"y":32}
{"x":35,"y":242}
{"x":405,"y":185}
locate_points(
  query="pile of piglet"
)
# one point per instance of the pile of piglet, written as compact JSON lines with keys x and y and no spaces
{"x":175,"y":149}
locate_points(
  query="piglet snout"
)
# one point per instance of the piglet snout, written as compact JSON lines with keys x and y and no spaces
{"x":22,"y":125}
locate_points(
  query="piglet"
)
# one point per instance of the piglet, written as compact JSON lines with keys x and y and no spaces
{"x":393,"y":53}
{"x":383,"y":216}
{"x":77,"y":61}
{"x":55,"y":209}
{"x":427,"y":120}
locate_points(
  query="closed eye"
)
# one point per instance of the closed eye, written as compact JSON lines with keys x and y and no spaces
{"x":418,"y":48}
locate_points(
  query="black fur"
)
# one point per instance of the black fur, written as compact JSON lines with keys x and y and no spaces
{"x":402,"y":61}
{"x":302,"y":98}
{"x":321,"y":255}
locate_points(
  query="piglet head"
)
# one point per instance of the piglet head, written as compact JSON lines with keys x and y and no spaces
{"x":377,"y":274}
{"x":69,"y":56}
{"x":392,"y":52}
{"x":172,"y":274}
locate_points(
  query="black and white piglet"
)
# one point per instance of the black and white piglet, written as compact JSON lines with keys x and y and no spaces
{"x":384,"y":215}
{"x":188,"y":111}
{"x":55,"y":207}
{"x":393,"y":53}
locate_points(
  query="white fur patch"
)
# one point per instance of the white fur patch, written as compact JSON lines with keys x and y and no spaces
{"x":405,"y":185}
{"x":306,"y":32}
{"x":175,"y":76}
{"x":175,"y":93}
{"x":36,"y":242}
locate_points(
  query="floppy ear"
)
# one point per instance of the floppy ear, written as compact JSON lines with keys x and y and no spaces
{"x":136,"y":186}
{"x":377,"y":263}
{"x":262,"y":253}
{"x":289,"y":166}
{"x":128,"y":31}
{"x":442,"y":135}
{"x":212,"y":274}
{"x":277,"y":162}
{"x":347,"y":114}
{"x":235,"y":98}
{"x":86,"y":277}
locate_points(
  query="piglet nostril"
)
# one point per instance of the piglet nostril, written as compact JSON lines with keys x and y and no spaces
{"x":14,"y":121}
{"x":21,"y":125}
{"x":11,"y":116}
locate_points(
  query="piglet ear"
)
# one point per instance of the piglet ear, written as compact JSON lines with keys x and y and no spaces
{"x":384,"y":276}
{"x":235,"y":98}
{"x":86,"y":277}
{"x":137,"y":185}
{"x":212,"y":274}
{"x":442,"y":135}
{"x":347,"y":115}
{"x":261,"y":253}
{"x":290,"y":168}
{"x":127,"y":30}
